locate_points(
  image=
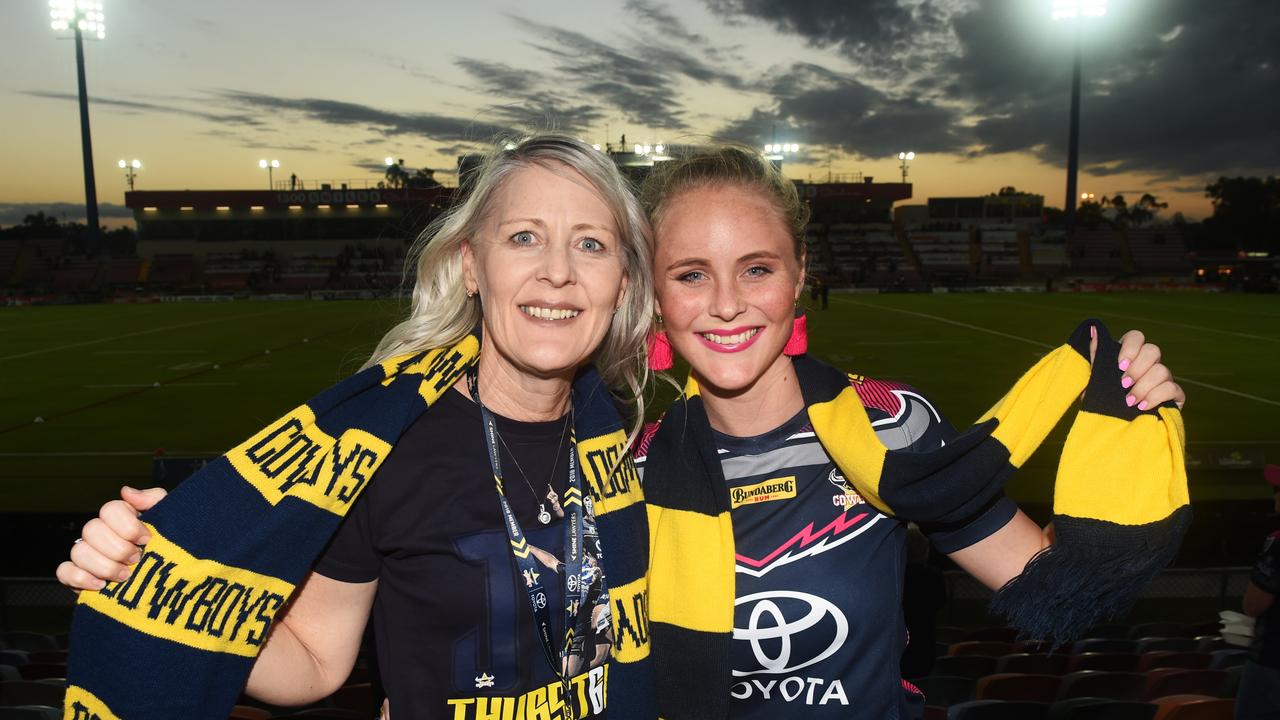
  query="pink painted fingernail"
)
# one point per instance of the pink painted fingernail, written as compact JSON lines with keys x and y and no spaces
{"x":1124,"y":365}
{"x":1130,"y":400}
{"x":1142,"y":405}
{"x":1126,"y":382}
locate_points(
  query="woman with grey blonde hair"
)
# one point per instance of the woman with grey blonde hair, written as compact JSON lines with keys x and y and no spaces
{"x":539,"y":275}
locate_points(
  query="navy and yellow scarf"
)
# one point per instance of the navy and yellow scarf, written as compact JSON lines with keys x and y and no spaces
{"x":231,"y":544}
{"x":1120,"y":506}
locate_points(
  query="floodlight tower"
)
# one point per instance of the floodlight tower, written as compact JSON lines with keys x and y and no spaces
{"x":905,"y":157}
{"x":1075,"y":11}
{"x":269,"y":166}
{"x":131,"y":169}
{"x":83,"y":16}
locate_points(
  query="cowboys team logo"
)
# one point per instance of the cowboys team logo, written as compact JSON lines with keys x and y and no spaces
{"x":847,"y":497}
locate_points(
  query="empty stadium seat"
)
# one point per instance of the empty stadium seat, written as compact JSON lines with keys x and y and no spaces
{"x":31,"y":692}
{"x":989,"y":648}
{"x":24,"y":640}
{"x":933,"y":712}
{"x":1222,"y":659}
{"x":970,"y":666}
{"x":39,"y":671}
{"x":47,"y":656}
{"x":1104,"y":645}
{"x":998,"y":634}
{"x":30,"y":712}
{"x":1027,"y":687}
{"x":1113,"y":662}
{"x":1043,"y":663}
{"x":1194,"y":707}
{"x":1091,"y":708}
{"x":14,"y":657}
{"x":1099,"y":683}
{"x":1156,"y":629}
{"x":1175,"y":644}
{"x":1166,"y":658}
{"x":945,"y":690}
{"x":998,"y":710}
{"x":9,"y":672}
{"x":949,"y":634}
{"x":1113,"y":631}
{"x":1177,"y":681}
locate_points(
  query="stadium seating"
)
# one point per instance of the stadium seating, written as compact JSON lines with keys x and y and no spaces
{"x":1104,"y":645}
{"x":1113,"y":662}
{"x":1175,"y":681}
{"x":1194,"y":707}
{"x":1018,"y":686}
{"x":1099,"y":252}
{"x":1156,"y":630}
{"x":1101,"y":709}
{"x":945,"y":690}
{"x":943,"y":252}
{"x":998,"y":710}
{"x":1000,"y":253}
{"x":1100,"y":683}
{"x":1040,"y":663}
{"x":1167,"y":658}
{"x":1049,"y":254}
{"x":989,"y":648}
{"x":998,"y":634}
{"x":30,"y":712}
{"x":1158,"y":250}
{"x":970,"y":666}
{"x":1179,"y":644}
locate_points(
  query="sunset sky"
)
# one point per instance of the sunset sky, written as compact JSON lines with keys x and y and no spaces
{"x":1177,"y":92}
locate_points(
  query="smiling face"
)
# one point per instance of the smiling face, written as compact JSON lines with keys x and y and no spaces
{"x":727,"y":280}
{"x":548,"y":267}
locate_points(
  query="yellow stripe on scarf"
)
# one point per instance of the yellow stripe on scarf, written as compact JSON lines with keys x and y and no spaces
{"x":80,"y":704}
{"x":1035,"y":404}
{"x":195,"y":602}
{"x":1102,"y":451}
{"x":697,"y":551}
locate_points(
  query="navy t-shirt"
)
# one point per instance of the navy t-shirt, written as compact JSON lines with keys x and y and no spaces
{"x":818,"y":622}
{"x":452,"y":619}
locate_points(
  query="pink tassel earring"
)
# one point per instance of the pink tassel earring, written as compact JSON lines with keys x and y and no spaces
{"x":798,"y":343}
{"x":661,"y":356}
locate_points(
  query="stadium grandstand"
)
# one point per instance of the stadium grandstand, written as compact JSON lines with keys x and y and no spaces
{"x":348,"y":238}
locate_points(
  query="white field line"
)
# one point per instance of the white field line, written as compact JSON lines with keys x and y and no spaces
{"x":1179,"y":378}
{"x":1185,"y":326}
{"x":1145,"y":301}
{"x":136,"y":334}
{"x":163,"y":384}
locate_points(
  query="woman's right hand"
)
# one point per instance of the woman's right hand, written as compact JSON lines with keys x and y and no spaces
{"x":109,"y":544}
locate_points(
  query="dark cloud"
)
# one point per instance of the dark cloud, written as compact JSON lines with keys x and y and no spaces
{"x":13,"y":213}
{"x":1171,"y":87}
{"x":355,"y":116}
{"x":823,"y":108}
{"x":137,"y":106}
{"x":658,"y":16}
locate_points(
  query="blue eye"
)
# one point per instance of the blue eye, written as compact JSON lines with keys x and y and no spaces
{"x":691,"y":276}
{"x":758,"y":271}
{"x":522,"y":238}
{"x":592,"y":245}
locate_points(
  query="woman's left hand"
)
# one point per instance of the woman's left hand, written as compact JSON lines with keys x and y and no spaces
{"x":1147,"y":379}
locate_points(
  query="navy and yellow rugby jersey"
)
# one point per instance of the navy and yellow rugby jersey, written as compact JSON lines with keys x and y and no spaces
{"x":818,"y":623}
{"x":455,"y":634}
{"x":1265,"y":648}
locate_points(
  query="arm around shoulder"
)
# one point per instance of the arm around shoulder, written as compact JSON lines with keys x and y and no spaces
{"x":313,"y":643}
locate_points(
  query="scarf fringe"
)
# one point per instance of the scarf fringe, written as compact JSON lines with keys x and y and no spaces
{"x":1093,"y":572}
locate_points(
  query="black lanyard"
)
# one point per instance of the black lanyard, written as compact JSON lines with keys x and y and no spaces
{"x":574,"y":584}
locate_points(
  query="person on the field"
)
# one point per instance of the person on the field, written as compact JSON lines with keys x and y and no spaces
{"x":1259,"y":695}
{"x":549,"y":253}
{"x":815,"y":578}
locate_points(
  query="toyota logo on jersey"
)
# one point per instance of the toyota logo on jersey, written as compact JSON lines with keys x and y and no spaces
{"x":788,"y":630}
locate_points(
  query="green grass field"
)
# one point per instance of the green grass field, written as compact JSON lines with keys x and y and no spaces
{"x":90,"y":373}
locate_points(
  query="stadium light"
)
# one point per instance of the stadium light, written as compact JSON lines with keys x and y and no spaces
{"x":131,"y":169}
{"x":269,"y":166}
{"x":389,"y":161}
{"x":80,"y":17}
{"x":776,"y":151}
{"x":905,"y":157}
{"x":1075,"y":10}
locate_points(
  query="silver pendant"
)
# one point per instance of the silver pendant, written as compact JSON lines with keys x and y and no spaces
{"x":544,"y":517}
